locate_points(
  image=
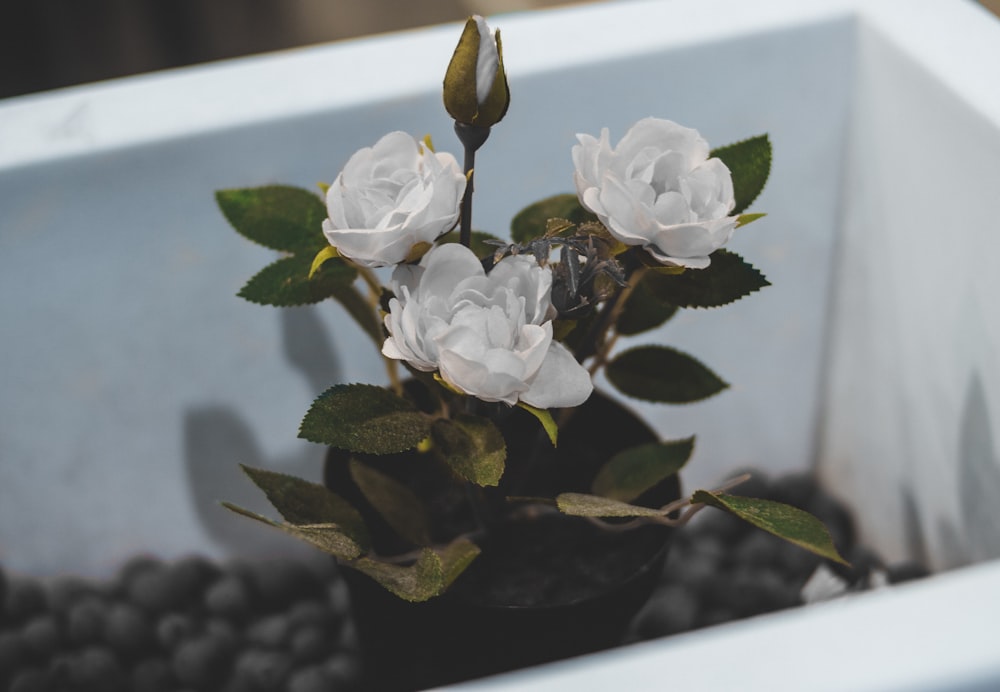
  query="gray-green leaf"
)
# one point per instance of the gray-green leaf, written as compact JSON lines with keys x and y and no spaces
{"x":530,"y":222}
{"x":301,"y":502}
{"x":280,"y":217}
{"x":662,"y":374}
{"x":728,"y":278}
{"x":631,"y":472}
{"x":364,"y":418}
{"x":472,"y":446}
{"x":286,"y":282}
{"x":329,"y":538}
{"x":397,"y":504}
{"x":582,"y":505}
{"x":784,"y":521}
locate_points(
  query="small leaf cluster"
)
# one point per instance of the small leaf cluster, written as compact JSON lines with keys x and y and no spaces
{"x":424,"y":469}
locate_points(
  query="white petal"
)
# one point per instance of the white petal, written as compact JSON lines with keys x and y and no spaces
{"x":560,"y":382}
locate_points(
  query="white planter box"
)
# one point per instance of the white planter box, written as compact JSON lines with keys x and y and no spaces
{"x":133,"y":381}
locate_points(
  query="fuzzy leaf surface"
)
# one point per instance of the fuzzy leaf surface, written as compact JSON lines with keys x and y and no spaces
{"x":631,"y":472}
{"x":750,"y":163}
{"x":398,"y":505}
{"x":662,"y":374}
{"x":473,"y":447}
{"x":727,"y":279}
{"x":582,"y":505}
{"x":455,"y":557}
{"x":364,"y":418}
{"x":329,"y":538}
{"x":784,"y":521}
{"x":301,"y":502}
{"x":531,"y":222}
{"x":280,"y":217}
{"x":286,"y":282}
{"x":418,"y":582}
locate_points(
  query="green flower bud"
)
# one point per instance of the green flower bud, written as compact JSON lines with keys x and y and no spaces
{"x":475,"y":86}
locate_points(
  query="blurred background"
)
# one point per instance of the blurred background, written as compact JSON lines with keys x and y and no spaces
{"x":57,"y":43}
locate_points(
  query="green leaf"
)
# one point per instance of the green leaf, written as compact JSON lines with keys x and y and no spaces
{"x":364,"y":418}
{"x":744,"y":219}
{"x":531,"y":222}
{"x":750,"y":163}
{"x":397,"y":504}
{"x":473,"y":447}
{"x":658,"y":373}
{"x":784,"y":521}
{"x":327,"y":253}
{"x":286,"y":282}
{"x":727,"y":279}
{"x":418,"y":582}
{"x":644,"y":309}
{"x":301,"y":502}
{"x":455,"y":557}
{"x":581,"y":505}
{"x":478,"y":244}
{"x":631,"y":472}
{"x":545,"y":418}
{"x":280,"y":217}
{"x":330,"y":538}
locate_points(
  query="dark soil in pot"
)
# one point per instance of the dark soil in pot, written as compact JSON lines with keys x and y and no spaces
{"x":193,"y":624}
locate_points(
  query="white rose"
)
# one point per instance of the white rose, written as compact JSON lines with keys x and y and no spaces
{"x":390,"y":197}
{"x":658,"y":189}
{"x":489,"y":335}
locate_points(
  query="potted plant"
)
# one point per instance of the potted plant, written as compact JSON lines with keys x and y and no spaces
{"x":492,"y":508}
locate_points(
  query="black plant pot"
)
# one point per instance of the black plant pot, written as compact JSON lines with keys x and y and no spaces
{"x":544,"y":588}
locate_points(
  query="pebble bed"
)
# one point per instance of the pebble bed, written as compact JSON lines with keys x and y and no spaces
{"x":195,"y":625}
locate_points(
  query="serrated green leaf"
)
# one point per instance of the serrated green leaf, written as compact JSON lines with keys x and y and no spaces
{"x":301,"y":502}
{"x":750,"y":163}
{"x":546,"y":419}
{"x":418,"y":582}
{"x":581,"y":505}
{"x":472,"y":446}
{"x":364,"y":418}
{"x":644,"y":309}
{"x":286,"y":282}
{"x":631,"y":472}
{"x":727,"y":279}
{"x":397,"y":504}
{"x":662,"y":374}
{"x":329,"y":538}
{"x":478,"y":242}
{"x":280,"y":217}
{"x":531,"y":222}
{"x":784,"y":521}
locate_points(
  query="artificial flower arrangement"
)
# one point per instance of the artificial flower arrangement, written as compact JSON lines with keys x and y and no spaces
{"x":496,"y":422}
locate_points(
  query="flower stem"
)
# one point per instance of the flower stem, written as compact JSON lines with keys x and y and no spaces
{"x":472,"y":137}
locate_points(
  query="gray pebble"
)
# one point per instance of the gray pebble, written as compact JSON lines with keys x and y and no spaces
{"x":310,"y":643}
{"x":269,"y":632}
{"x":32,"y":680}
{"x":228,"y":597}
{"x":262,"y":670}
{"x":152,"y":675}
{"x":312,"y":679}
{"x":25,"y":598}
{"x":128,"y":631}
{"x":13,"y":650}
{"x":203,"y":661}
{"x":95,"y":668}
{"x":86,"y":621}
{"x":41,"y":636}
{"x":174,"y":628}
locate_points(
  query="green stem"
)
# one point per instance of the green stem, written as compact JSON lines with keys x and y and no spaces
{"x":472,"y":138}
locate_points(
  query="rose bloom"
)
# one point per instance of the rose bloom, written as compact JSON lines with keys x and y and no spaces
{"x":658,"y":189}
{"x":489,"y":335}
{"x":391,"y":197}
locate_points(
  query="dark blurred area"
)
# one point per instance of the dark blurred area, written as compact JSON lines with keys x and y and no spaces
{"x":56,"y":43}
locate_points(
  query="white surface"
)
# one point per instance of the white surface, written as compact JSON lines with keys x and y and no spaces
{"x":133,"y":381}
{"x":916,"y":637}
